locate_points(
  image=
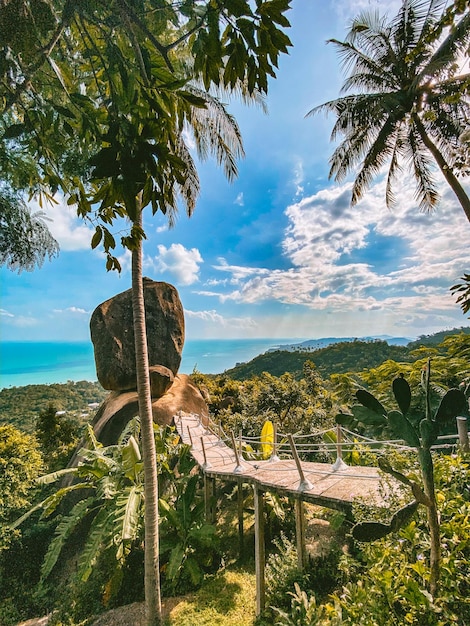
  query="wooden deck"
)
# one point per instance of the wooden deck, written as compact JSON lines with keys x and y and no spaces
{"x":322,"y":484}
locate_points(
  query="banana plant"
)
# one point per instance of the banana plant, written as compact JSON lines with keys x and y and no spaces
{"x":420,"y":434}
{"x":110,"y":481}
{"x":187,"y":543}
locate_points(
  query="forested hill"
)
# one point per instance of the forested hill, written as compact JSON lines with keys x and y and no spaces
{"x":338,"y":358}
{"x":345,"y":356}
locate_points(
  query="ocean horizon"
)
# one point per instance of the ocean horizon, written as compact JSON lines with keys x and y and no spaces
{"x":48,"y":362}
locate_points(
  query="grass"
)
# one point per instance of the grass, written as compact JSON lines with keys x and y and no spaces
{"x":227,"y":599}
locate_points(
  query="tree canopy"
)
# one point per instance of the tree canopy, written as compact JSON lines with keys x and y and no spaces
{"x":405,"y":99}
{"x":95,"y":96}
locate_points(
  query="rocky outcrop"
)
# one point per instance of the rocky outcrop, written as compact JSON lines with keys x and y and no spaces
{"x":112,"y":334}
{"x":119,"y":408}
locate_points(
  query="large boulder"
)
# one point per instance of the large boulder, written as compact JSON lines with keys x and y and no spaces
{"x":112,"y":334}
{"x":119,"y":408}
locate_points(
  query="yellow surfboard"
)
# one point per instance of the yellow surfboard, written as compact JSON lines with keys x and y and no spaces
{"x":267,"y":439}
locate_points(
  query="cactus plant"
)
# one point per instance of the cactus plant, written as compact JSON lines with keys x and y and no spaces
{"x":421,"y":436}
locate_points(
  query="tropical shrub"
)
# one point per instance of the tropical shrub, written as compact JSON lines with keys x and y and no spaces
{"x":102,"y":528}
{"x":320,"y":576}
{"x":387,"y":580}
{"x":188,"y":544}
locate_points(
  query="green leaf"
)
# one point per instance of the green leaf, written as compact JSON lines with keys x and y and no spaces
{"x":403,"y":516}
{"x":131,"y":458}
{"x":402,"y":428}
{"x":402,"y":393}
{"x":13,"y":131}
{"x":367,"y":416}
{"x":97,"y":237}
{"x":345,"y":419}
{"x":176,"y":561}
{"x":370,"y":401}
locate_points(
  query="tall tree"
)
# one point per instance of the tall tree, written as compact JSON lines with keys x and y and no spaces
{"x":25,"y":239}
{"x":95,"y":100}
{"x":408,"y":99}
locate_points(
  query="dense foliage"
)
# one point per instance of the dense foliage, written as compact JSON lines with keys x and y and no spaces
{"x":336,"y":358}
{"x":385,"y":582}
{"x":21,"y":405}
{"x":111,"y":560}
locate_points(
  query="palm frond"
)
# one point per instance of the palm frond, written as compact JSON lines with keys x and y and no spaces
{"x":380,"y":152}
{"x":426,"y":192}
{"x":54,"y":476}
{"x":394,"y":169}
{"x":356,"y":62}
{"x":456,"y":42}
{"x":99,"y":538}
{"x":128,"y":516}
{"x":216,"y":132}
{"x":414,"y":18}
{"x":190,"y":186}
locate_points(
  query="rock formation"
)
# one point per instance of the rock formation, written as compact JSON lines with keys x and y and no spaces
{"x":113,"y":340}
{"x":112,"y":334}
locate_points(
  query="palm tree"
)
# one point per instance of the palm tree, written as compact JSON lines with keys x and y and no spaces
{"x":215,"y":132}
{"x":410,"y":102}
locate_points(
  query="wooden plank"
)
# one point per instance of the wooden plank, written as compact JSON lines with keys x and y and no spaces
{"x":326,"y":486}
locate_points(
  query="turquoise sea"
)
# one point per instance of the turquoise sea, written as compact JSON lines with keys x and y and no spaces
{"x":30,"y":363}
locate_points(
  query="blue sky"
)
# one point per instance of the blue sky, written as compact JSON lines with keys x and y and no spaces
{"x":279,"y":252}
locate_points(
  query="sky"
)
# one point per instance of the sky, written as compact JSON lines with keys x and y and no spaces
{"x":278,"y":253}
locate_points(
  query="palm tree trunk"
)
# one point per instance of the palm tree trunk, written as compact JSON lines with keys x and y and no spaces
{"x":449,"y":175}
{"x":153,"y":608}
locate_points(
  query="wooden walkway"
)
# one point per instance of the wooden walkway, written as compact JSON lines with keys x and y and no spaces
{"x":333,"y":486}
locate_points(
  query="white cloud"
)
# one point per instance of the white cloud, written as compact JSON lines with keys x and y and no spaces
{"x":239,"y":199}
{"x":347,"y":9}
{"x":215,"y":319}
{"x":180,"y":262}
{"x":336,"y":268}
{"x":70,"y":231}
{"x":4,"y":313}
{"x":21,"y":321}
{"x":73,"y":310}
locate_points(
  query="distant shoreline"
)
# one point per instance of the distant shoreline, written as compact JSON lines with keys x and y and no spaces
{"x":25,"y":363}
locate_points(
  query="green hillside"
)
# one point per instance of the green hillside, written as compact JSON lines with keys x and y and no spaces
{"x":20,"y":406}
{"x":338,"y":358}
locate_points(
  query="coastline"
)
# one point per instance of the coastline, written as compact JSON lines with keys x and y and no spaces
{"x":48,"y":362}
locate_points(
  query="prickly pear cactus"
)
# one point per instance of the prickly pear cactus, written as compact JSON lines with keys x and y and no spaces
{"x":422,"y":436}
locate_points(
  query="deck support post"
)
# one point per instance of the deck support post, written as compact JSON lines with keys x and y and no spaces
{"x":241,"y":538}
{"x":239,"y":469}
{"x":209,"y":497}
{"x":339,"y":464}
{"x":462,"y":430}
{"x":260,"y":554}
{"x":300,"y":532}
{"x":206,"y":465}
{"x":273,"y":458}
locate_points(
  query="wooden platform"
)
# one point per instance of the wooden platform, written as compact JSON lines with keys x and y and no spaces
{"x":322,"y":484}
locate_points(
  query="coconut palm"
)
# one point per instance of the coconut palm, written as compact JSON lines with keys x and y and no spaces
{"x":95,"y":102}
{"x":408,"y":100}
